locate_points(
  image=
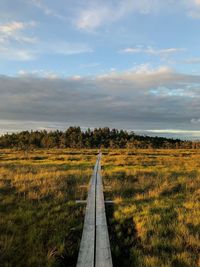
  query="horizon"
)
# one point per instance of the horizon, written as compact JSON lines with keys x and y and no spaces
{"x":181,"y":135}
{"x":122,"y":64}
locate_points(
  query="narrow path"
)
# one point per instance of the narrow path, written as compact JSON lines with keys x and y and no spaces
{"x":95,"y":245}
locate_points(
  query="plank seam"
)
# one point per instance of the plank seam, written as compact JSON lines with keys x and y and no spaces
{"x":95,"y":229}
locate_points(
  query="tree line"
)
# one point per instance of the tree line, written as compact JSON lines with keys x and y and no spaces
{"x":73,"y":137}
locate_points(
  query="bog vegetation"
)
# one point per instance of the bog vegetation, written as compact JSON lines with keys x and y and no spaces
{"x":154,"y":221}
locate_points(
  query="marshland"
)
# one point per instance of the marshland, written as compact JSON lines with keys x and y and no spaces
{"x":113,"y":79}
{"x":154,"y":219}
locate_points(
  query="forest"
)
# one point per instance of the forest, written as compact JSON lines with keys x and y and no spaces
{"x":74,"y":137}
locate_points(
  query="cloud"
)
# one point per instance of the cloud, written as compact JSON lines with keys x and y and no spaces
{"x":12,"y":31}
{"x":16,"y":54}
{"x":97,"y":13}
{"x":10,"y":126}
{"x":38,"y":74}
{"x":89,"y":65}
{"x":16,"y":45}
{"x":28,"y":53}
{"x":47,"y":10}
{"x":195,"y":121}
{"x":192,"y":8}
{"x":151,"y":51}
{"x":194,"y":14}
{"x":141,"y":76}
{"x":92,"y":15}
{"x":12,"y":27}
{"x":142,"y":98}
{"x":63,"y":48}
{"x":66,"y":48}
{"x":13,"y":41}
{"x":173,"y":133}
{"x":196,"y":2}
{"x":192,"y":61}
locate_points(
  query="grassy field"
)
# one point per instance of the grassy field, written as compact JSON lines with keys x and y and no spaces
{"x":40,"y":223}
{"x":155,"y":220}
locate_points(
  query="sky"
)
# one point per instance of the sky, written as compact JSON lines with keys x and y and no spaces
{"x":131,"y":64}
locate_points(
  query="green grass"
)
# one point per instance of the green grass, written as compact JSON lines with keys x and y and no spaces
{"x":155,"y":220}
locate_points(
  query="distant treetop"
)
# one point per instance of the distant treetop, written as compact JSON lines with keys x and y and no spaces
{"x":73,"y":137}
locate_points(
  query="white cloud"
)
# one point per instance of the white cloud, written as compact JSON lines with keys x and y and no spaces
{"x":131,"y":50}
{"x":16,"y":45}
{"x":98,"y":13}
{"x":94,"y":14}
{"x":160,"y":82}
{"x":12,"y":31}
{"x":192,"y":8}
{"x":175,"y":131}
{"x":38,"y":74}
{"x":92,"y":18}
{"x":142,"y":75}
{"x":152,"y":51}
{"x":13,"y":41}
{"x":196,"y":2}
{"x":11,"y":27}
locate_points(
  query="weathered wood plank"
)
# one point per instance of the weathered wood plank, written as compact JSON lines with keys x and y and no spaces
{"x":95,"y":245}
{"x":103,"y":253}
{"x":87,"y":246}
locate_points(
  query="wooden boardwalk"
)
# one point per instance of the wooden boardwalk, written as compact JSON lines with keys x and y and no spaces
{"x":95,"y":245}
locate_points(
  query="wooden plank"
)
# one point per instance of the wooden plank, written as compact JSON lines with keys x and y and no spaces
{"x":103,"y":256}
{"x":87,"y":246}
{"x":95,"y":245}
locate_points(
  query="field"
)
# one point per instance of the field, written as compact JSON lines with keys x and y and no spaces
{"x":154,"y":220}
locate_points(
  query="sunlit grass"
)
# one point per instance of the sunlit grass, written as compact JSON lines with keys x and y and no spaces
{"x":160,"y":193}
{"x":40,"y":223}
{"x":154,"y":219}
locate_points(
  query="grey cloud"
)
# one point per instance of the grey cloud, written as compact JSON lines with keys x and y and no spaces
{"x":138,"y":99}
{"x":194,"y":120}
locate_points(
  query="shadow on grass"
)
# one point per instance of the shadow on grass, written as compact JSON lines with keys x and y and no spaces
{"x":123,"y":237}
{"x":72,"y":244}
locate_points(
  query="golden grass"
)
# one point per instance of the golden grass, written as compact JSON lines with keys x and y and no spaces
{"x":154,"y":221}
{"x":40,"y":223}
{"x":160,"y":197}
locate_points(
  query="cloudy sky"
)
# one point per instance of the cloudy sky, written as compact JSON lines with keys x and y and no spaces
{"x":132,"y":64}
